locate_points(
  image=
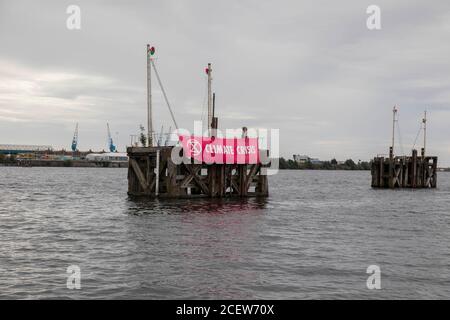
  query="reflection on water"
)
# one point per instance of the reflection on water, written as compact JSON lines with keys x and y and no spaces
{"x":314,"y":237}
{"x":139,"y":206}
{"x":191,"y":240}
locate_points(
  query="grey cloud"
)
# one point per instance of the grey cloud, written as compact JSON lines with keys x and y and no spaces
{"x":310,"y":68}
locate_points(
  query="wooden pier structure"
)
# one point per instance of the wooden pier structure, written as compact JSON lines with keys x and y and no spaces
{"x":405,"y":172}
{"x":152,"y":173}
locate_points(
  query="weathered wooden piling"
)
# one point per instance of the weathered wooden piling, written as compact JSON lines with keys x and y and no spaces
{"x":190,"y":179}
{"x":404,"y":172}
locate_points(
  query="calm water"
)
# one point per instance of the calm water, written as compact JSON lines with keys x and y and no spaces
{"x":314,"y":237}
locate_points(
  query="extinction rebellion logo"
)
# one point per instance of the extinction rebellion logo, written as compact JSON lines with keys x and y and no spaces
{"x":194,"y":146}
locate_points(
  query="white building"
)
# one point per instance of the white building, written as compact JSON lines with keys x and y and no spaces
{"x":107,"y":157}
{"x":306,"y":159}
{"x":301,"y":159}
{"x":17,"y":148}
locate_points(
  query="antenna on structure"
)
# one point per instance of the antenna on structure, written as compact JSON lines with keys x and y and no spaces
{"x":150,"y":64}
{"x":150,"y":53}
{"x":424,"y":132}
{"x":210,"y":102}
{"x":213,"y":109}
{"x":394,"y":120}
{"x":215,"y":120}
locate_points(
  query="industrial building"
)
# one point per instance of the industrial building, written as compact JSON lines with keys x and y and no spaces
{"x":18,"y":149}
{"x":305,"y":159}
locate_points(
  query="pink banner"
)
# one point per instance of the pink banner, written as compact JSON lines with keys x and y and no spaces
{"x":221,"y":150}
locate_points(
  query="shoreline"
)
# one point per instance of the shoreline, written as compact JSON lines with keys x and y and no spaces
{"x":64,"y":164}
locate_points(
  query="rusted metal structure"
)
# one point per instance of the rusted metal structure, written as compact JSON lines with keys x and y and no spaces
{"x":152,"y":173}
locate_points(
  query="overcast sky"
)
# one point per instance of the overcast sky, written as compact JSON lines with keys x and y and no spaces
{"x":309,"y":68}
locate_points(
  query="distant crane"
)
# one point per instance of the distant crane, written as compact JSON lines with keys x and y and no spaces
{"x":160,"y":136}
{"x":75,"y":139}
{"x":112,"y":147}
{"x":166,"y":143}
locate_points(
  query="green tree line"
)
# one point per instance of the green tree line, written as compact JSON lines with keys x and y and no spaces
{"x":325,"y":165}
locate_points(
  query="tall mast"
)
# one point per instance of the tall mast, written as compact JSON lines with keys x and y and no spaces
{"x":393,"y":127}
{"x":150,"y":51}
{"x":209,"y":71}
{"x":425,"y":133}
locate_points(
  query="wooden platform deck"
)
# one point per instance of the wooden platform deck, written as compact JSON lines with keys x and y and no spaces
{"x":189,"y":179}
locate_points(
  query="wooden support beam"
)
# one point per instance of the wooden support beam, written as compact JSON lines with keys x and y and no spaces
{"x":396,"y":176}
{"x":197,"y":179}
{"x":173,"y":188}
{"x":434,"y":180}
{"x":405,"y":173}
{"x":221,"y":181}
{"x":414,"y":169}
{"x":249,"y":178}
{"x":381,"y":173}
{"x":186,"y":181}
{"x":141,"y":178}
{"x":212,"y":180}
{"x":242,"y":175}
{"x":176,"y":179}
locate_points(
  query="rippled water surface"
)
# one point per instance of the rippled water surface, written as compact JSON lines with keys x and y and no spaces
{"x":314,"y":237}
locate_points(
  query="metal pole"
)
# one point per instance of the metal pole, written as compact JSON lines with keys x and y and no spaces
{"x":149,"y":99}
{"x":393,"y":127}
{"x":214,"y":105}
{"x":209,"y":99}
{"x":425,"y":133}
